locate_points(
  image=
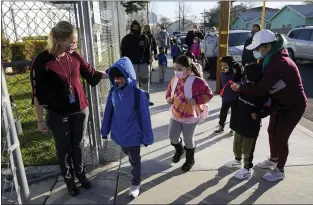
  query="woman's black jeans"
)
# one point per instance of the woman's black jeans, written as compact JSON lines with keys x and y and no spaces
{"x":68,"y":131}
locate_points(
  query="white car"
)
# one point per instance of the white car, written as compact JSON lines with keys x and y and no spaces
{"x":300,"y":43}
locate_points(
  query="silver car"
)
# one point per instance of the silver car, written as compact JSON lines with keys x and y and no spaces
{"x":300,"y":43}
{"x":236,"y":42}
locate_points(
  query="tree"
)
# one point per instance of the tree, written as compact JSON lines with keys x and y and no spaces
{"x":183,"y":11}
{"x":134,"y":6}
{"x":235,"y":10}
{"x":164,"y":21}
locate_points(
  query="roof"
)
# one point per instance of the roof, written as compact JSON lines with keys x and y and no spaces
{"x":253,"y":15}
{"x":305,"y":10}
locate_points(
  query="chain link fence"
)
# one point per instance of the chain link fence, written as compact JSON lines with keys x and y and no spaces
{"x":24,"y":34}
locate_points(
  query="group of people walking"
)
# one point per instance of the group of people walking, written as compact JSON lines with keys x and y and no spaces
{"x":252,"y":92}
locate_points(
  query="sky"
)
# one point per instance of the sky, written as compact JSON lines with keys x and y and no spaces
{"x":170,"y":9}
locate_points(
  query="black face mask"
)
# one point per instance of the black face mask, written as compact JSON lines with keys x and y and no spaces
{"x":136,"y":32}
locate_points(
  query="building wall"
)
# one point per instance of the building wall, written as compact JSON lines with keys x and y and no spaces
{"x":287,"y":18}
{"x":238,"y":24}
{"x":309,"y":21}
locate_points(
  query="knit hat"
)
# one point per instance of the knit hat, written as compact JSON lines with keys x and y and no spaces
{"x":115,"y":72}
{"x":229,"y":60}
{"x":253,"y":72}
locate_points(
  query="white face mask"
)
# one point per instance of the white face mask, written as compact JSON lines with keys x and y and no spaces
{"x":257,"y":55}
{"x":164,"y":30}
{"x":212,"y":33}
{"x":179,"y":74}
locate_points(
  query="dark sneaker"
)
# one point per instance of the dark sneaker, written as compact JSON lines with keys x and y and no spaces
{"x":153,"y":69}
{"x":231,"y":133}
{"x":71,"y":187}
{"x":220,"y":130}
{"x":84,"y":181}
{"x":151,"y":103}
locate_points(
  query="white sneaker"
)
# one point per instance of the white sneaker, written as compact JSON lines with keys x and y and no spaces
{"x":233,"y":164}
{"x":134,"y":191}
{"x":243,"y":173}
{"x":274,"y":175}
{"x":267,"y":164}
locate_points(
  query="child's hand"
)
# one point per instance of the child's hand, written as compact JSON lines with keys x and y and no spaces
{"x":170,"y":100}
{"x":254,"y":116}
{"x":191,"y":101}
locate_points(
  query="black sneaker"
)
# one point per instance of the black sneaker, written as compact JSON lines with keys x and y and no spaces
{"x":151,"y":103}
{"x":153,"y":69}
{"x":84,"y":181}
{"x":71,"y":187}
{"x":220,"y":130}
{"x":231,"y":133}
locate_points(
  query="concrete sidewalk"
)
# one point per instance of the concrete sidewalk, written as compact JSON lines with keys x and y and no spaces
{"x":207,"y":182}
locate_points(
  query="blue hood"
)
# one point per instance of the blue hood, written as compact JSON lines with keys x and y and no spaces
{"x":127,"y":68}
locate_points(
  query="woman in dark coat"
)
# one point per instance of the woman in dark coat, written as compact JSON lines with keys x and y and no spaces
{"x":281,"y":78}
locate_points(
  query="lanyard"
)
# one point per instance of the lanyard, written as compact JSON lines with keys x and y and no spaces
{"x":68,"y":77}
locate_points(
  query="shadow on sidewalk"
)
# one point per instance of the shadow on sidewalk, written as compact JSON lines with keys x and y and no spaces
{"x":226,"y":195}
{"x":156,"y":166}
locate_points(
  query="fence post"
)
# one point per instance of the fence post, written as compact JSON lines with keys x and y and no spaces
{"x":98,"y":142}
{"x":83,"y":36}
{"x":20,"y":183}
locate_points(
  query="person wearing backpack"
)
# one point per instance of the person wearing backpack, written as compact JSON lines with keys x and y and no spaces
{"x":127,"y":117}
{"x":188,"y":94}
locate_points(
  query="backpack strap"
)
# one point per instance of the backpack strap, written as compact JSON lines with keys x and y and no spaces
{"x":174,"y":85}
{"x":137,"y":99}
{"x":188,"y":86}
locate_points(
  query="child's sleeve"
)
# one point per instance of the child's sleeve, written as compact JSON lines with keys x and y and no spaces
{"x":107,"y":117}
{"x":201,"y":92}
{"x":169,"y":90}
{"x":265,"y":110}
{"x":145,"y":120}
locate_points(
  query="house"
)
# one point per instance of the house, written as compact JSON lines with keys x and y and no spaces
{"x":245,"y":20}
{"x":175,"y":26}
{"x":291,"y":16}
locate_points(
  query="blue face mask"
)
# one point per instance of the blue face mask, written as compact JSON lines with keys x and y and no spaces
{"x":257,"y":55}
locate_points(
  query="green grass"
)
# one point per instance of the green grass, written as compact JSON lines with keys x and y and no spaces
{"x":36,"y":148}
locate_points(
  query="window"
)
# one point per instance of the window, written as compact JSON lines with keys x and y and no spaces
{"x":294,"y":34}
{"x":268,"y":26}
{"x":238,"y":39}
{"x":305,"y":34}
{"x":284,"y":26}
{"x":289,"y":26}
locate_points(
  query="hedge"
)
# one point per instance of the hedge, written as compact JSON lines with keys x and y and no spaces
{"x":22,"y":51}
{"x":6,"y":53}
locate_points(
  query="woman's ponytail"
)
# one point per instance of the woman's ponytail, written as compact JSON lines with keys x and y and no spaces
{"x":281,"y":40}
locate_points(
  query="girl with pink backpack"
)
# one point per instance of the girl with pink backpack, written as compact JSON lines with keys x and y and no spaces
{"x":188,"y":94}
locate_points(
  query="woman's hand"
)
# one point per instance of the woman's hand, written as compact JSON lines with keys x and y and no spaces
{"x":235,"y":87}
{"x":170,"y":100}
{"x":191,"y":101}
{"x":42,"y":127}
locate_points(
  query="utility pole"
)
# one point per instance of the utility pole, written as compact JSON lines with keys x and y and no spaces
{"x":148,"y":13}
{"x":204,"y":21}
{"x":263,"y":15}
{"x":223,"y":38}
{"x":179,"y":16}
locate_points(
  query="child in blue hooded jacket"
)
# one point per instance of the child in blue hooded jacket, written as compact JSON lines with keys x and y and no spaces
{"x":127,"y":117}
{"x":231,"y":71}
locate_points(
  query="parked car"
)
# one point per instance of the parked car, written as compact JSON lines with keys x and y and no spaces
{"x":300,"y":43}
{"x":236,"y":42}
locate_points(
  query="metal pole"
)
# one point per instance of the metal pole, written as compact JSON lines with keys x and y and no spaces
{"x":83,"y":36}
{"x":21,"y":185}
{"x":223,"y":38}
{"x":148,"y":14}
{"x":263,"y":14}
{"x":179,"y":15}
{"x":97,"y":142}
{"x":204,"y":21}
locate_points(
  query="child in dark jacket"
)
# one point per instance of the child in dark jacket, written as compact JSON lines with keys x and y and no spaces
{"x":231,"y":71}
{"x":245,"y":120}
{"x":127,"y":117}
{"x":162,"y":57}
{"x":175,"y":51}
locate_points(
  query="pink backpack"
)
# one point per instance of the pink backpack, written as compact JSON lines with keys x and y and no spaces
{"x":188,"y":94}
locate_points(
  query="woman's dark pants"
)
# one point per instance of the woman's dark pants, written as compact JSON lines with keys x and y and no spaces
{"x":68,"y":131}
{"x":134,"y":157}
{"x":280,"y":129}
